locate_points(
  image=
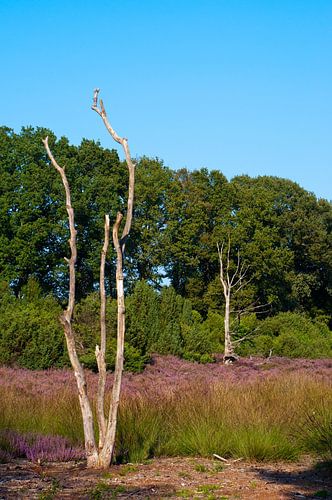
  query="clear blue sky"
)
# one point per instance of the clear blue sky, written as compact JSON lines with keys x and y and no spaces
{"x":244,"y":86}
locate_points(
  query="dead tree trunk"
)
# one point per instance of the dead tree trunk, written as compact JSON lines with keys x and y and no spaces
{"x":119,"y":246}
{"x":101,"y":456}
{"x":101,"y":351}
{"x":66,"y":320}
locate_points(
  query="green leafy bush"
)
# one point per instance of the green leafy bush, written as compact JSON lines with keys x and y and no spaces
{"x":290,"y":334}
{"x":31,"y":335}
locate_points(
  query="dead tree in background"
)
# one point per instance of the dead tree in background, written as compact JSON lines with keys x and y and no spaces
{"x":98,"y":456}
{"x":232,"y":283}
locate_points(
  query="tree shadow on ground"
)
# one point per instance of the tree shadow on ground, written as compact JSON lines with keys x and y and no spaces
{"x":314,"y":482}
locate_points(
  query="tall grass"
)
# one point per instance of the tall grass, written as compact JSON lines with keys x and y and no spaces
{"x":262,"y":417}
{"x":317,"y":428}
{"x":263,"y":420}
{"x":57,"y":414}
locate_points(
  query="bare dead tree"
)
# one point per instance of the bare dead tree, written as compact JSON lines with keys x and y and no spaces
{"x":232,"y":283}
{"x":99,"y":456}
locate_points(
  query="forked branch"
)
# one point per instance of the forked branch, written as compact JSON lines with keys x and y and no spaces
{"x":119,"y":246}
{"x":131,"y":166}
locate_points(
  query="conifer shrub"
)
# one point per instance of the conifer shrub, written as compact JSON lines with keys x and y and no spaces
{"x":30,"y":333}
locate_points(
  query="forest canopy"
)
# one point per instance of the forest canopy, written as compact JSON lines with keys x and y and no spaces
{"x":282,"y":232}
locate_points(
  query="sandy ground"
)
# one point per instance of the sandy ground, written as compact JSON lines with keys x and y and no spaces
{"x":167,"y":478}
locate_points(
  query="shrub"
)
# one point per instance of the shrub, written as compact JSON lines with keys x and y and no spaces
{"x":201,"y":339}
{"x":30,"y":332}
{"x":293,"y":335}
{"x":39,"y":448}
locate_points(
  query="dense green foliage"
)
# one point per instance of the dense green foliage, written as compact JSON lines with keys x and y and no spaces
{"x":164,"y":323}
{"x":281,"y":231}
{"x":289,"y":334}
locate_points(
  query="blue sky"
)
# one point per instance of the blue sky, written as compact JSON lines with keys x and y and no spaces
{"x":244,"y":86}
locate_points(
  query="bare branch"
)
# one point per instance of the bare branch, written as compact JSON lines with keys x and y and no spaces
{"x":242,"y":274}
{"x":130,"y":164}
{"x":101,"y":112}
{"x":222,"y":278}
{"x":72,"y":242}
{"x":241,"y":339}
{"x":228,"y":264}
{"x":66,"y":319}
{"x":228,"y":252}
{"x":95,"y":98}
{"x":243,"y":284}
{"x":237,"y":268}
{"x":101,"y":352}
{"x":117,"y":244}
{"x":257,"y":309}
{"x":220,"y":458}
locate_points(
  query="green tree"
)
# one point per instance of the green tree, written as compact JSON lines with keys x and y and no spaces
{"x":34,"y":228}
{"x":148,"y":242}
{"x":197,"y":203}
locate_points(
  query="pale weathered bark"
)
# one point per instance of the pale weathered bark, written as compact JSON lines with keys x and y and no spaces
{"x":99,"y":457}
{"x":107,"y":450}
{"x":66,"y":320}
{"x":101,"y":351}
{"x":229,"y":348}
{"x":131,"y":166}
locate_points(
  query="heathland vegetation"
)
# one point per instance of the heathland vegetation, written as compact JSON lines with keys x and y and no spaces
{"x":259,"y":409}
{"x":265,"y":408}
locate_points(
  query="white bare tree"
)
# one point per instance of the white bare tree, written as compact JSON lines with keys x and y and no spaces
{"x":99,"y":456}
{"x":232,"y":283}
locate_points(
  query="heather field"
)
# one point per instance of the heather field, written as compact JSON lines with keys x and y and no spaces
{"x":256,"y":409}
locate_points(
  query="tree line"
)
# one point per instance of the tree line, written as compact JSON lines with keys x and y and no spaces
{"x":282,"y":232}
